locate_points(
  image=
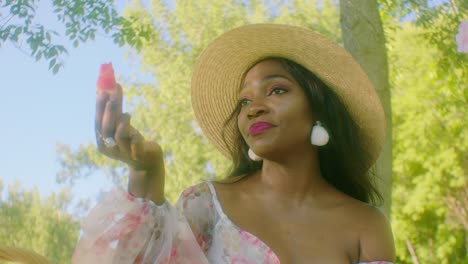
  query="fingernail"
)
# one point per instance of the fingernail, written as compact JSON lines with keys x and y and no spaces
{"x":114,"y":95}
{"x":102,"y":96}
{"x":127,"y":116}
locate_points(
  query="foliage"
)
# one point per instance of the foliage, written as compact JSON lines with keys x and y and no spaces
{"x":41,"y":225}
{"x":162,"y":110}
{"x":430,"y":150}
{"x":438,"y":22}
{"x":429,"y":99}
{"x":429,"y":102}
{"x":82,"y":19}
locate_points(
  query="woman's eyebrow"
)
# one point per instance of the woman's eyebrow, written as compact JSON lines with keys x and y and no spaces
{"x":271,"y":77}
{"x":274,"y":76}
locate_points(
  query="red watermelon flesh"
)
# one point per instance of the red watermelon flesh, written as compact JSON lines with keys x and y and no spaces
{"x":106,"y":80}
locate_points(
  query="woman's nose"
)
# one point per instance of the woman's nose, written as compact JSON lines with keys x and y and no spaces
{"x":256,"y":109}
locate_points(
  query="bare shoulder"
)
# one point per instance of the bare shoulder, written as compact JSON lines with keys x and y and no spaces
{"x":232,"y":190}
{"x":375,"y":233}
{"x":231,"y":185}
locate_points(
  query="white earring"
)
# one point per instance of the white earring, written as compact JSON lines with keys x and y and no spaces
{"x":319,"y":135}
{"x":254,"y":156}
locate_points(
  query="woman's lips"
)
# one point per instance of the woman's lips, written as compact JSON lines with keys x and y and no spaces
{"x":259,"y":127}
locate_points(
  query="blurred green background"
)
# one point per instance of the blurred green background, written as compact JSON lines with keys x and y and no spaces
{"x":428,"y":95}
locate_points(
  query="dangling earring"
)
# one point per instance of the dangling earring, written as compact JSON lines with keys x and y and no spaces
{"x":254,"y":156}
{"x":319,"y":135}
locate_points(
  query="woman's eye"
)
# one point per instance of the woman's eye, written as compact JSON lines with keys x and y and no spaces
{"x":278,"y":90}
{"x":243,"y":102}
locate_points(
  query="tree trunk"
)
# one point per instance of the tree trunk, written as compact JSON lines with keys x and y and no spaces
{"x":363,"y":37}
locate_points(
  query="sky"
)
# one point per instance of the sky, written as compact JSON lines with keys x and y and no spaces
{"x":39,"y":110}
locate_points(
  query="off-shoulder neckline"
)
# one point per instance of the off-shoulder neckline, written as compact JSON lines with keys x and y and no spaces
{"x":220,"y":211}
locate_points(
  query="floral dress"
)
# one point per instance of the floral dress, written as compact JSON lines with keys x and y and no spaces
{"x":125,"y":229}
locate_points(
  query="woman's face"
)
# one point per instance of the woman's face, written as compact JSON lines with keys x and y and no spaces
{"x":275,"y":117}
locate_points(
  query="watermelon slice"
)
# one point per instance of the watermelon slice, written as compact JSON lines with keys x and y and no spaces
{"x":106,"y":81}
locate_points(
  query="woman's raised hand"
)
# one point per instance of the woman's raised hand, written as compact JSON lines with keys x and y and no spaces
{"x":118,"y":139}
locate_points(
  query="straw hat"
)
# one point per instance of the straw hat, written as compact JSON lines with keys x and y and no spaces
{"x":219,"y":72}
{"x":16,"y":254}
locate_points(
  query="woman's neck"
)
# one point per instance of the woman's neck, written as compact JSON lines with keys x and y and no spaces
{"x":294,"y":177}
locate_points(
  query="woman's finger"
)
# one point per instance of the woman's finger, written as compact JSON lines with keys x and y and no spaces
{"x":137,"y":145}
{"x":101,"y":100}
{"x":112,"y":112}
{"x":122,"y":136}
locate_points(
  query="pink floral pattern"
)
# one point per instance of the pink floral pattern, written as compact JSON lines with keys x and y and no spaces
{"x":124,"y":229}
{"x":239,"y":259}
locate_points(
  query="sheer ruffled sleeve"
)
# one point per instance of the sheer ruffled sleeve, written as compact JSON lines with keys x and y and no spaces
{"x":123,"y":229}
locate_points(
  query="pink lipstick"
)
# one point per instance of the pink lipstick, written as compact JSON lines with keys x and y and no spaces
{"x":259,"y":127}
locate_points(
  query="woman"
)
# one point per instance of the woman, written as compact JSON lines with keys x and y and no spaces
{"x":302,"y":124}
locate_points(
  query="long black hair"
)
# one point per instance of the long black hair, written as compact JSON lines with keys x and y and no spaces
{"x":343,"y":161}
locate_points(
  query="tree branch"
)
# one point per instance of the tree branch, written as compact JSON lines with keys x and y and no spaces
{"x":8,"y":20}
{"x":412,"y":252}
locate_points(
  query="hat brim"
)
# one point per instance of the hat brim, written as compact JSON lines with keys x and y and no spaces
{"x":219,"y":72}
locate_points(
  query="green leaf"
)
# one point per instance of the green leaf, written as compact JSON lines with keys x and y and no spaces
{"x":56,"y":68}
{"x":52,"y":63}
{"x":38,"y":56}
